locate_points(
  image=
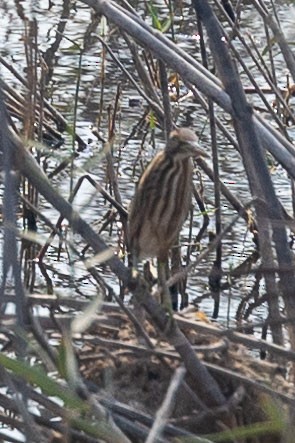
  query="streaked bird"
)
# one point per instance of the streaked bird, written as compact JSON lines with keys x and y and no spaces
{"x":162,"y":199}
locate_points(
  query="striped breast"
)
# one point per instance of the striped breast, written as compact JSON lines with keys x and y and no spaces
{"x":160,"y":205}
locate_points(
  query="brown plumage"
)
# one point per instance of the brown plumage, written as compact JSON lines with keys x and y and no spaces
{"x":163,"y":197}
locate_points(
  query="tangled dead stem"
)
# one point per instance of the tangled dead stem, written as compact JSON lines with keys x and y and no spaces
{"x":118,"y":379}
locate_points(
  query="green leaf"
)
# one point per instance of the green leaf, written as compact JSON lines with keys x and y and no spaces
{"x":152,"y":120}
{"x":38,"y":377}
{"x":166,"y":24}
{"x":154,"y":14}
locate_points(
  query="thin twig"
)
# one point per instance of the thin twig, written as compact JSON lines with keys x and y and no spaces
{"x":165,"y":410}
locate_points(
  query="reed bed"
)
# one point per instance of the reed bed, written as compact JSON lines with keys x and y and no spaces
{"x":77,"y":363}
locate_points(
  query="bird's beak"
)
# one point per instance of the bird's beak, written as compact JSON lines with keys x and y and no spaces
{"x":198,"y":151}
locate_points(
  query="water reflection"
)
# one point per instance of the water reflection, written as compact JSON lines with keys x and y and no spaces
{"x":63,"y":88}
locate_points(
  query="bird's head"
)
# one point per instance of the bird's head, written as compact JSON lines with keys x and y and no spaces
{"x":183,"y":143}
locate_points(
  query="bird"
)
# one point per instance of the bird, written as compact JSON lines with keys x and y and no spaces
{"x":162,"y":200}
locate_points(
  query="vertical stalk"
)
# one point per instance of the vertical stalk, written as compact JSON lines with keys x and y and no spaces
{"x":215,"y":273}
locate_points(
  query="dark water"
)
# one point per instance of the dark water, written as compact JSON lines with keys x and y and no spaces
{"x":237,"y":245}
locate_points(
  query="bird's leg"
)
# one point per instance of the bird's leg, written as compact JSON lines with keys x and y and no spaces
{"x":138,"y":309}
{"x":162,"y":278}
